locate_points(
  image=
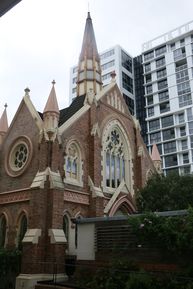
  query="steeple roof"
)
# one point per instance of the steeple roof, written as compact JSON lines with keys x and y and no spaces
{"x":52,"y":103}
{"x":155,"y":155}
{"x":89,"y":47}
{"x":3,"y":121}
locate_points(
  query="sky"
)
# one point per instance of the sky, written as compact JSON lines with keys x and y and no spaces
{"x":41,"y":39}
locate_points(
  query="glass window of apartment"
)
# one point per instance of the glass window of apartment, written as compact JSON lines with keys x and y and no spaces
{"x":150,"y":111}
{"x":169,"y":147}
{"x":148,"y":78}
{"x":75,"y":69}
{"x":162,"y":84}
{"x":168,"y":134}
{"x":161,"y":73}
{"x":149,"y":99}
{"x":108,"y":65}
{"x":192,"y":38}
{"x":164,"y":95}
{"x":182,"y":42}
{"x":185,"y":100}
{"x":154,"y":124}
{"x":182,"y":76}
{"x":126,"y":61}
{"x":184,"y":144}
{"x":74,"y":90}
{"x":183,"y":88}
{"x":147,"y":67}
{"x":181,"y":118}
{"x":179,"y":53}
{"x":191,"y":142}
{"x":155,"y":137}
{"x":127,"y":82}
{"x":148,"y":55}
{"x":164,"y":106}
{"x":149,"y":89}
{"x":185,"y":158}
{"x":182,"y":131}
{"x":172,"y":46}
{"x":181,"y":65}
{"x":171,"y":160}
{"x":106,"y":76}
{"x":160,"y":62}
{"x":189,"y":114}
{"x":185,"y":170}
{"x":167,"y":121}
{"x":130,"y":103}
{"x":74,"y":80}
{"x":160,"y":50}
{"x":107,"y":54}
{"x":190,"y":124}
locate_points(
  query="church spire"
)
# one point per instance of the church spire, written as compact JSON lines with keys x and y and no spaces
{"x":3,"y":124}
{"x":89,"y":70}
{"x":51,"y":111}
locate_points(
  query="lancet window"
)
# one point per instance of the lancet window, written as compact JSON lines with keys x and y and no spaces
{"x":115,"y":159}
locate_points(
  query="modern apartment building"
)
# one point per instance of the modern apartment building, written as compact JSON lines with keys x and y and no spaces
{"x":168,"y":83}
{"x":118,"y":60}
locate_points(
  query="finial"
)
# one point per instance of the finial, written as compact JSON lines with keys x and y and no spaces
{"x":27,"y":90}
{"x":113,"y":76}
{"x":53,"y":82}
{"x":5,"y":105}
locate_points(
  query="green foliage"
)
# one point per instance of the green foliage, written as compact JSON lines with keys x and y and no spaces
{"x":9,"y":262}
{"x":173,"y":234}
{"x":163,"y":193}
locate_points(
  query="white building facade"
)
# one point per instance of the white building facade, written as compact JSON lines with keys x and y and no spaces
{"x":118,"y":60}
{"x":168,"y":82}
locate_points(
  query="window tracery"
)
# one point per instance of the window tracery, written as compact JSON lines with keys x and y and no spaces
{"x":115,"y":159}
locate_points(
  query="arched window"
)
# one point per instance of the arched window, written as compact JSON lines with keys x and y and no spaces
{"x":3,"y":228}
{"x":117,"y":165}
{"x":22,"y":230}
{"x":115,"y":159}
{"x":66,"y":227}
{"x":73,"y":165}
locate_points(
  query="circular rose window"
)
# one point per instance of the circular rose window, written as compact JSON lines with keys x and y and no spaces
{"x":19,"y":156}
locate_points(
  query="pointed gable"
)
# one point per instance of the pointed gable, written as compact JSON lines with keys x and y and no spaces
{"x":3,"y":121}
{"x":89,"y":47}
{"x":155,"y":155}
{"x":52,"y":103}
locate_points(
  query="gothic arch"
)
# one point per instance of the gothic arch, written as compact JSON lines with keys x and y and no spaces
{"x":116,"y":157}
{"x":123,"y":204}
{"x":73,"y":163}
{"x":21,"y":225}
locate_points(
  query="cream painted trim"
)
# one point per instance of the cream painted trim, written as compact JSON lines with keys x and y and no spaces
{"x":57,"y":236}
{"x":96,"y":191}
{"x":33,"y":111}
{"x":105,"y":90}
{"x":32,"y":235}
{"x":73,"y":118}
{"x":120,"y":188}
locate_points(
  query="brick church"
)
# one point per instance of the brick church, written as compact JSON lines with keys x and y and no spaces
{"x":86,"y":160}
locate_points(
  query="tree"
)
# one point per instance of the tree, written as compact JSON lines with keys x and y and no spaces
{"x":164,"y":193}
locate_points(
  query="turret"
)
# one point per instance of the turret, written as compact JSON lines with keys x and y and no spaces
{"x":89,"y":69}
{"x":155,"y":156}
{"x":51,"y":112}
{"x":3,"y":125}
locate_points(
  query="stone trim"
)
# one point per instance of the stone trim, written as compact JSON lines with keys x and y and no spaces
{"x":57,"y":236}
{"x":32,"y":235}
